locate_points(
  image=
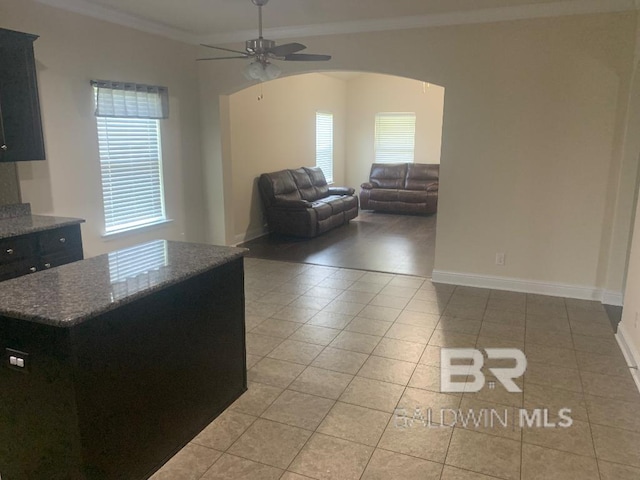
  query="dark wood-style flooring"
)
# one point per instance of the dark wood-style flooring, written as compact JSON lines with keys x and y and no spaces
{"x":400,"y":244}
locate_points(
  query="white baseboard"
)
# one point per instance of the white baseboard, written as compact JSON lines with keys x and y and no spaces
{"x":250,"y":235}
{"x":528,"y":286}
{"x":610,"y":297}
{"x":630,"y":352}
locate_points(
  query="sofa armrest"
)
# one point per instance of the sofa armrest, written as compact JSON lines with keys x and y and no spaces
{"x":367,"y":185}
{"x":292,"y":204}
{"x":341,"y":191}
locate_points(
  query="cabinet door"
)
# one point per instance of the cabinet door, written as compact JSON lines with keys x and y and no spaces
{"x":20,"y":128}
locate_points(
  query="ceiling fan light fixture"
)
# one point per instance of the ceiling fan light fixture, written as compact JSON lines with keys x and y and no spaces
{"x":263,"y":51}
{"x":262,"y":72}
{"x":272,"y":71}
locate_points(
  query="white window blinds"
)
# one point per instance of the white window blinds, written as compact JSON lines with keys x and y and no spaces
{"x":130,"y":160}
{"x":130,"y":164}
{"x":395,"y":137}
{"x":324,"y":144}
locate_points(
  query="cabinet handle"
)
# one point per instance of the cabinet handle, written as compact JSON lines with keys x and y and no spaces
{"x":47,"y":265}
{"x":33,"y":269}
{"x":62,"y":240}
{"x":10,"y":251}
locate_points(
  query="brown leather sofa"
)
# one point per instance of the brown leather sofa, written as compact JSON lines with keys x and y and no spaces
{"x":300,"y":203}
{"x":401,"y":188}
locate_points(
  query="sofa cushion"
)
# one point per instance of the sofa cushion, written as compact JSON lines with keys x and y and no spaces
{"x":421,"y":175}
{"x":311,"y":183}
{"x":318,"y":181}
{"x":323,"y":209}
{"x":279,"y":186}
{"x":303,"y":182}
{"x":412,"y":196}
{"x":388,"y":175}
{"x":338,"y":203}
{"x":384,"y":194}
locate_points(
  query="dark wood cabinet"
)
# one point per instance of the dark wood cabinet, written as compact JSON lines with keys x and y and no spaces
{"x":21,"y":136}
{"x":115,"y":396}
{"x":30,"y":253}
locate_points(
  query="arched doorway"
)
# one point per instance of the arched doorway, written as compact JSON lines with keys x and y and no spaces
{"x":272,"y":126}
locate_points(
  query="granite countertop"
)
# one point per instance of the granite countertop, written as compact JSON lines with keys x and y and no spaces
{"x":71,"y":294}
{"x":22,"y":225}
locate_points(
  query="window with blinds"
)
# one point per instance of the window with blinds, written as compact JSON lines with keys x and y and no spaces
{"x":395,"y":137}
{"x":324,"y":144}
{"x":131,"y":168}
{"x":127,"y":116}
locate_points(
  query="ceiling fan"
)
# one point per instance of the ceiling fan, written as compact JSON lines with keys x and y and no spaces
{"x":263,"y":51}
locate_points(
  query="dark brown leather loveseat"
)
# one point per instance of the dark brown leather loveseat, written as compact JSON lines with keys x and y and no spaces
{"x":402,"y":188}
{"x":300,"y":203}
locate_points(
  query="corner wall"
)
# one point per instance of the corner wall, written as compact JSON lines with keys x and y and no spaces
{"x":278,"y":132}
{"x":72,"y":50}
{"x":629,"y":328}
{"x":369,"y":94}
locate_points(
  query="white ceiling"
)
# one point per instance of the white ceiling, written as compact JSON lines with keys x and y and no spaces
{"x":206,"y":17}
{"x":223,"y":21}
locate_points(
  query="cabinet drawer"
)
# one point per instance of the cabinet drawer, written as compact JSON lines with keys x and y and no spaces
{"x":17,"y":269}
{"x":60,"y":240}
{"x":60,"y":258}
{"x":16,"y":248}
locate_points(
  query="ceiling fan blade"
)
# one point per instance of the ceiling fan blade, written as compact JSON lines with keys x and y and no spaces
{"x":221,"y":58}
{"x":307,"y":57}
{"x":222,"y":48}
{"x":286,"y":49}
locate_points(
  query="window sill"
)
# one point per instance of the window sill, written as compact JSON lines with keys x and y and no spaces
{"x":134,"y":230}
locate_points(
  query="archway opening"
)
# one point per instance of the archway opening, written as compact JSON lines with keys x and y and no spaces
{"x":273,"y":126}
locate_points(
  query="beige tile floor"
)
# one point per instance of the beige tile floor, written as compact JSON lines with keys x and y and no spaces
{"x":335,"y":354}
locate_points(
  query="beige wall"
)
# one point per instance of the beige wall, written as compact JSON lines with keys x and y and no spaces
{"x":627,"y":150}
{"x":629,"y":328}
{"x":72,"y":50}
{"x":369,"y":94}
{"x":531,"y":124}
{"x":279,"y":132}
{"x":630,"y":325}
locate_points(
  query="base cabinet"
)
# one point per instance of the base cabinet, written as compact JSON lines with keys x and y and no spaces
{"x":116,"y":396}
{"x":30,"y":253}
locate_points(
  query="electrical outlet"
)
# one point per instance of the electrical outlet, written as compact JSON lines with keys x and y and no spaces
{"x":17,"y":360}
{"x":500,"y":259}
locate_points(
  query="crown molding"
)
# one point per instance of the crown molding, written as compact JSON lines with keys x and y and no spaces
{"x":88,"y":9}
{"x":503,"y":14}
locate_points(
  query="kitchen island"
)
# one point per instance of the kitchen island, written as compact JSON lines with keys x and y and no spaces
{"x":112,"y":364}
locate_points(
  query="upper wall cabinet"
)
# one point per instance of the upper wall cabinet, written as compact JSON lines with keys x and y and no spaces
{"x":20,"y":125}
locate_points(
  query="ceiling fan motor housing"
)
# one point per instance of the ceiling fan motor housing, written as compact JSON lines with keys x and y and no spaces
{"x":259,"y":45}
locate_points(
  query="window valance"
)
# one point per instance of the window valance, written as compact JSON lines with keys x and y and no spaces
{"x":130,"y":100}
